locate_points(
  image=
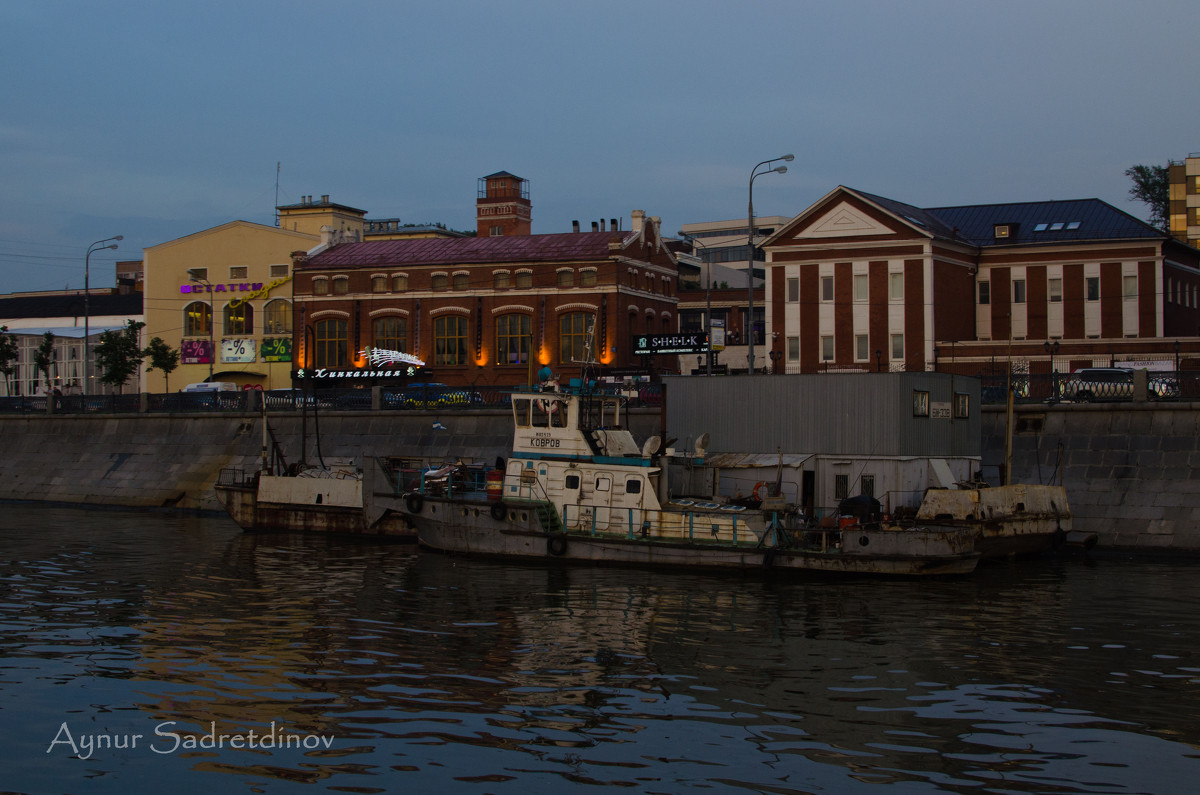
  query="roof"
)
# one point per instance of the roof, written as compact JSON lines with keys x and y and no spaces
{"x":462,"y":251}
{"x":70,"y":305}
{"x":1044,"y":222}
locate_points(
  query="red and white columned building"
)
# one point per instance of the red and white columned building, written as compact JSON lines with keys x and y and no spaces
{"x":862,"y":282}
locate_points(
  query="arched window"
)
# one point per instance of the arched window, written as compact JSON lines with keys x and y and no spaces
{"x":277,"y":317}
{"x":440,"y":281}
{"x":239,"y":320}
{"x":329,"y":343}
{"x":512,"y":339}
{"x":379,"y":284}
{"x":390,"y":333}
{"x":197,"y":319}
{"x":572,"y":336}
{"x":461,"y":282}
{"x":341,"y":285}
{"x":501,"y":280}
{"x":399,"y":282}
{"x":450,"y":339}
{"x":320,"y":286}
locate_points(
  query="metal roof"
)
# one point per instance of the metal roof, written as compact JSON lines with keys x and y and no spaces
{"x":1044,"y":222}
{"x":444,"y":251}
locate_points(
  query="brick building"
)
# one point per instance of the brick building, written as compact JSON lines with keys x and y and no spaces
{"x":490,"y":309}
{"x":862,"y":282}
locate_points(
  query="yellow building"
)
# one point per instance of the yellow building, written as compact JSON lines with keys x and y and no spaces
{"x":239,"y":273}
{"x":1184,"y":212}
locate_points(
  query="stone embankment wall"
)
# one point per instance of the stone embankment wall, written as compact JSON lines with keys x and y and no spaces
{"x":1131,"y":470}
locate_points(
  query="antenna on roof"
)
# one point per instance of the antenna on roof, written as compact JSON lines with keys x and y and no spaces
{"x":277,"y":164}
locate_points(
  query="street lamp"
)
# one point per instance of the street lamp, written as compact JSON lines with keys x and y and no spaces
{"x":754,"y":173}
{"x":193,"y":275}
{"x":97,"y":246}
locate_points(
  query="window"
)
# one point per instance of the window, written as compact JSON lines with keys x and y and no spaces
{"x":200,"y":274}
{"x":496,"y":231}
{"x":501,"y":280}
{"x":524,"y":279}
{"x":238,"y":272}
{"x":277,"y":317}
{"x":1093,"y":288}
{"x":279,"y":271}
{"x":197,"y":319}
{"x":1054,"y":286}
{"x":896,"y":286}
{"x":826,"y":288}
{"x":571,"y":481}
{"x":603,"y":482}
{"x":633,"y":486}
{"x":867,"y":485}
{"x":860,"y":287}
{"x":793,"y":349}
{"x":329,"y":347}
{"x":827,"y":349}
{"x":793,"y":290}
{"x":985,"y":292}
{"x":1129,"y":286}
{"x":512,"y":339}
{"x":239,"y":320}
{"x":379,"y":284}
{"x":399,"y":283}
{"x":320,"y":286}
{"x":841,"y":487}
{"x":390,"y":333}
{"x":572,"y":335}
{"x":962,"y":406}
{"x":587,"y":278}
{"x":1018,"y":291}
{"x":440,"y":281}
{"x":566,"y":278}
{"x":461,"y":281}
{"x":898,"y":347}
{"x":920,"y":403}
{"x":341,"y":285}
{"x":450,"y":340}
{"x":1167,"y":297}
{"x":861,"y":352}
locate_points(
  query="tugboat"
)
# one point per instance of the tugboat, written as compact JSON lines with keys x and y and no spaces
{"x":577,"y":487}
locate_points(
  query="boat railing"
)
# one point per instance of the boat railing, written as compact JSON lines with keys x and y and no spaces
{"x":236,"y":478}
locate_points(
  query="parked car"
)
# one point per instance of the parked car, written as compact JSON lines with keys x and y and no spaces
{"x":1114,"y":383}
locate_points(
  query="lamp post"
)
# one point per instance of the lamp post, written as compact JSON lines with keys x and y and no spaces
{"x":754,"y":173}
{"x":97,"y":246}
{"x":193,"y":275}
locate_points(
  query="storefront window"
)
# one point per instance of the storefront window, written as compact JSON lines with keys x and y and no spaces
{"x":391,"y":333}
{"x":572,"y":336}
{"x":512,"y":339}
{"x":197,"y":319}
{"x":450,"y":340}
{"x":239,"y":320}
{"x":330,"y":343}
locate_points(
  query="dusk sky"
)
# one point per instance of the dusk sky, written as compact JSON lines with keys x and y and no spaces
{"x":158,"y":119}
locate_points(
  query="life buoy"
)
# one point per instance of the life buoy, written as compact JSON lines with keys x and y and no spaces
{"x":547,"y":406}
{"x":758,"y":486}
{"x":499,"y":511}
{"x":414,"y":502}
{"x":556,"y":545}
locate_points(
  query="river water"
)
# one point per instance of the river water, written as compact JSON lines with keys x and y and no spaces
{"x":148,"y":653}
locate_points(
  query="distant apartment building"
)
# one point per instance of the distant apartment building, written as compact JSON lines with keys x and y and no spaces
{"x":1184,"y":210}
{"x":863,"y":282}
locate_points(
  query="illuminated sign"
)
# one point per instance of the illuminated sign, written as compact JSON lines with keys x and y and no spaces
{"x":260,"y":291}
{"x":237,"y":351}
{"x":196,"y":352}
{"x":240,"y":287}
{"x":378,"y":357}
{"x":276,"y":349}
{"x":653,"y":344}
{"x":325,"y":374}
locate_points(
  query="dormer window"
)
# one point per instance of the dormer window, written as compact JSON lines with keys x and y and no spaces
{"x":1002,"y":231}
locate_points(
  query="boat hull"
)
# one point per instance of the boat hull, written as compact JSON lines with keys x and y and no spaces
{"x":516,"y":532}
{"x":248,"y":511}
{"x":1019,"y":519}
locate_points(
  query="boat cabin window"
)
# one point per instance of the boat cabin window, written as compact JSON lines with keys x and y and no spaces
{"x":522,"y":412}
{"x":633,"y":486}
{"x":571,"y":481}
{"x":558,"y":414}
{"x":603,"y":483}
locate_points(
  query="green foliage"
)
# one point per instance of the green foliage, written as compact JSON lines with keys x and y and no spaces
{"x":162,"y":357}
{"x":43,"y":358}
{"x":9,"y":354}
{"x":118,"y":354}
{"x":1152,"y":186}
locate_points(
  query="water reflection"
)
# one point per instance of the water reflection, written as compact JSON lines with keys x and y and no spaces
{"x":440,"y":672}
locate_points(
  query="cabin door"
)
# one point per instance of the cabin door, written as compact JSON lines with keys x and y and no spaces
{"x":602,"y":491}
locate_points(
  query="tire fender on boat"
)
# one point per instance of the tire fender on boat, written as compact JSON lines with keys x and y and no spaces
{"x":414,"y":502}
{"x":556,"y":545}
{"x":499,"y":511}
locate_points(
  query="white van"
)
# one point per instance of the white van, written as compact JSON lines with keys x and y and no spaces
{"x":212,"y":386}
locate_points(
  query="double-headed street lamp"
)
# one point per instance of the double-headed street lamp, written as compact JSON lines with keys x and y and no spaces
{"x":99,"y":245}
{"x":194,"y":275}
{"x":754,"y":173}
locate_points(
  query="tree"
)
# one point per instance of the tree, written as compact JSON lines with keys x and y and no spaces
{"x":118,"y":353}
{"x":43,"y":358}
{"x":162,"y":357}
{"x":9,"y":355}
{"x":1152,"y":186}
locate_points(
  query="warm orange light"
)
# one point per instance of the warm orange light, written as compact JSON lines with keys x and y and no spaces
{"x":482,"y":358}
{"x":543,"y":356}
{"x":606,"y":356}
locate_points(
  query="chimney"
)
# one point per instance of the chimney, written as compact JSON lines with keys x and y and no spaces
{"x":574,"y":226}
{"x":612,"y":224}
{"x":638,"y":217}
{"x":325,"y":198}
{"x":595,"y":226}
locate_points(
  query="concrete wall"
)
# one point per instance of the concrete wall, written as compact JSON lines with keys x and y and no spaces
{"x":1131,"y":470}
{"x":172,"y":461}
